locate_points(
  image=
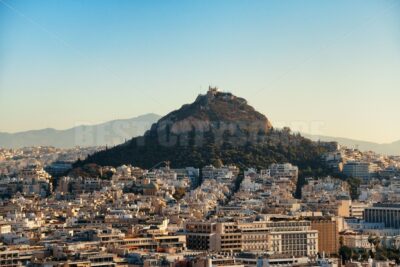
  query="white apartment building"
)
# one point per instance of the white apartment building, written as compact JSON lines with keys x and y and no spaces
{"x":285,"y":170}
{"x":357,"y":209}
{"x":285,"y":237}
{"x":225,"y":174}
{"x":354,"y":240}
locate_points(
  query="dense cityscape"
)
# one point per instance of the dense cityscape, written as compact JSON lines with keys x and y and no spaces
{"x":201,"y":133}
{"x":217,"y":215}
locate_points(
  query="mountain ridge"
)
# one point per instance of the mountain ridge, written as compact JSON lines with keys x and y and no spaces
{"x":106,"y":133}
{"x":392,"y":149}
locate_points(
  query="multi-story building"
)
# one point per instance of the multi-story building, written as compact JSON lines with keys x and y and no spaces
{"x":191,"y":173}
{"x":10,"y":259}
{"x":201,"y":235}
{"x":255,"y":236}
{"x":356,"y":240}
{"x":282,"y":173}
{"x":357,"y":209}
{"x":5,"y":228}
{"x":328,"y":234}
{"x":294,"y":238}
{"x":286,"y":170}
{"x":389,"y":214}
{"x":286,"y":237}
{"x":59,"y":168}
{"x":224,"y":174}
{"x":357,"y":169}
{"x":34,"y":172}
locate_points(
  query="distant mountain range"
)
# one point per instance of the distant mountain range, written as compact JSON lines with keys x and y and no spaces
{"x":109,"y":133}
{"x":115,"y":132}
{"x":388,"y":149}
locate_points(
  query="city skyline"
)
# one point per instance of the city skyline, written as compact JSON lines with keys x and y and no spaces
{"x":202,"y":133}
{"x":302,"y":64}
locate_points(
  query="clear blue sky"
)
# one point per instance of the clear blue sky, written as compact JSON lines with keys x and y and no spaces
{"x":331,"y":67}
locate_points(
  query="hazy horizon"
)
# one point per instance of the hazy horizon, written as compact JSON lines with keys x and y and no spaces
{"x":330,"y":67}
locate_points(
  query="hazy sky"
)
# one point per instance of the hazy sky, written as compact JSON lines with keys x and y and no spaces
{"x":329,"y":67}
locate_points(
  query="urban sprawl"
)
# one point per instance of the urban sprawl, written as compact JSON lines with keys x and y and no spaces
{"x":214,"y":216}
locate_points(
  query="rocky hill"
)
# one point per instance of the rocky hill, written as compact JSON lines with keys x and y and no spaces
{"x":216,"y":126}
{"x":213,"y":110}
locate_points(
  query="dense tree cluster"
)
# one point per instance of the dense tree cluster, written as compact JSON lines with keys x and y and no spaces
{"x":276,"y":146}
